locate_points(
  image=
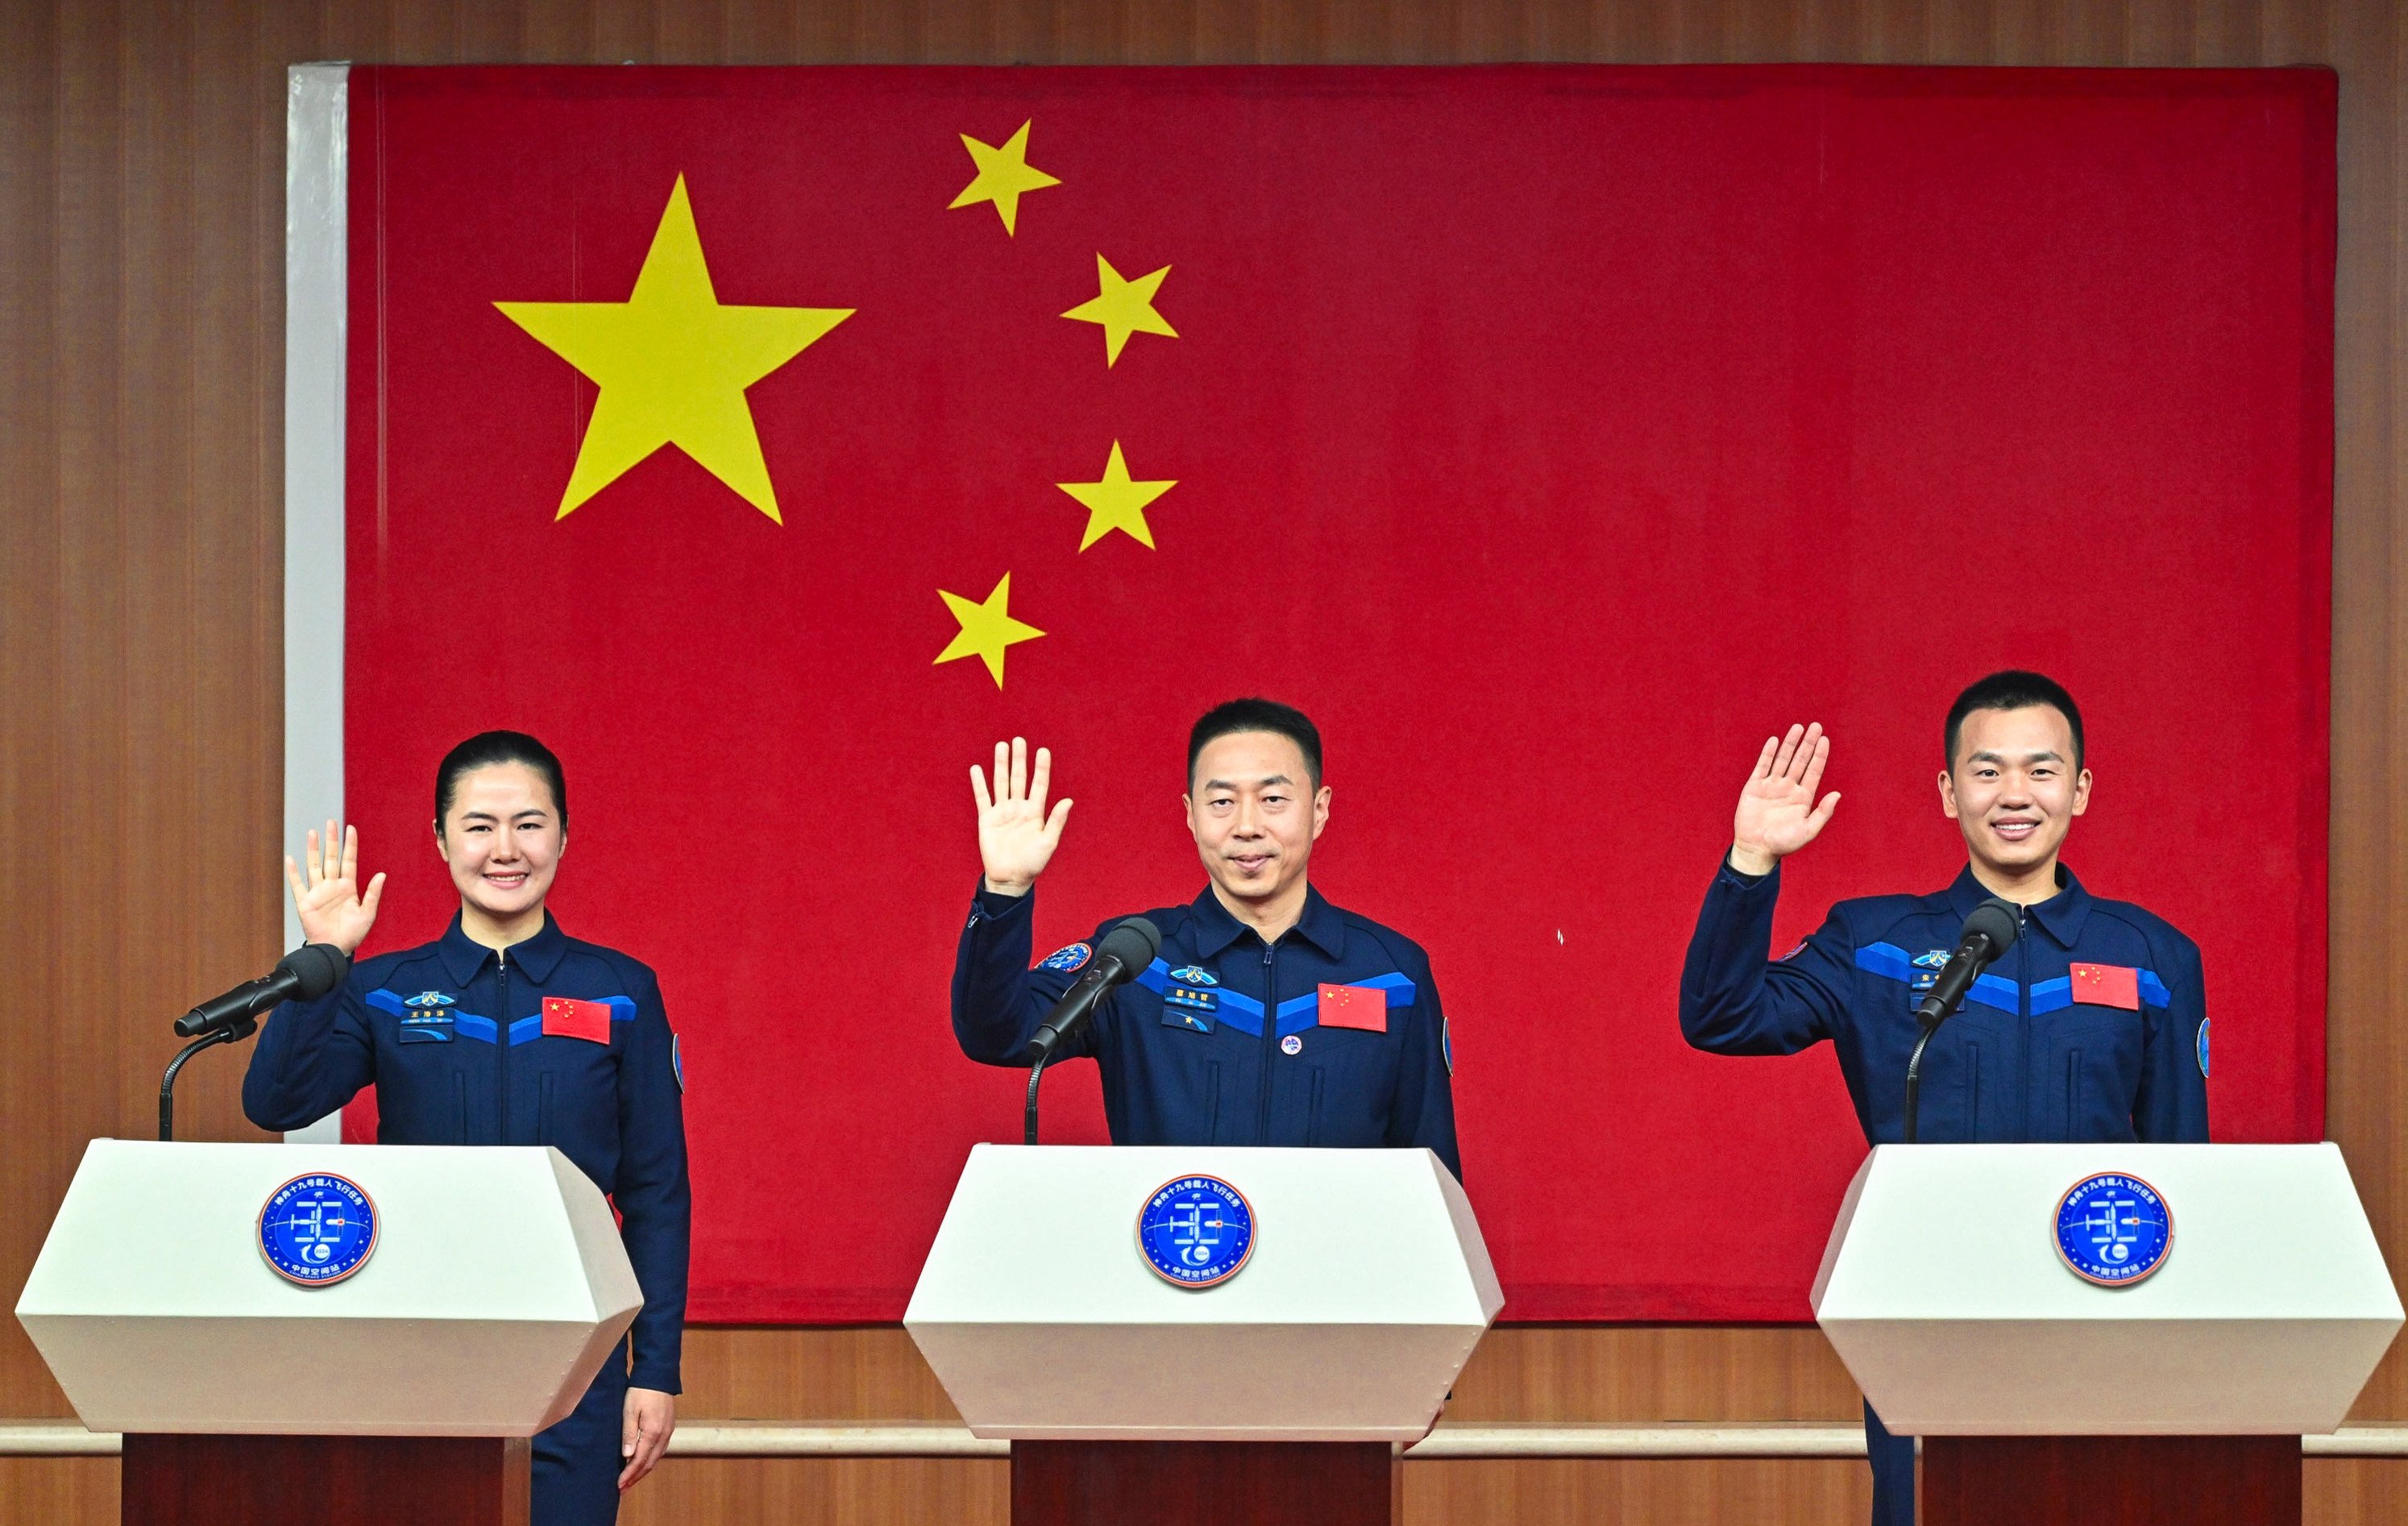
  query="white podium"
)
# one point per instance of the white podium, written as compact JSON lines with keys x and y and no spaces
{"x":1277,"y":1394}
{"x":1944,"y":1291}
{"x":495,"y":1288}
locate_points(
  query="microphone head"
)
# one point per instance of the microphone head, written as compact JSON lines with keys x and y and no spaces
{"x":1996,"y":920}
{"x":319,"y":967}
{"x":1133,"y":941}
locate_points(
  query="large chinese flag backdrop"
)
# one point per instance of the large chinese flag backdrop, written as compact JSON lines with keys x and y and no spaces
{"x":1551,"y":436}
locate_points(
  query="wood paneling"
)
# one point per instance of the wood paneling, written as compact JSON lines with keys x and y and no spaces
{"x":140,"y":416}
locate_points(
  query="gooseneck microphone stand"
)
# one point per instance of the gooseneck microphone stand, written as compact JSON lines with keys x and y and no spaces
{"x":232,"y":1033}
{"x":1028,"y":1118}
{"x":1914,"y":1077}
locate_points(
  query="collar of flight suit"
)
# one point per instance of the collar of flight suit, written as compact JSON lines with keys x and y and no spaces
{"x":2061,"y":916}
{"x":1216,"y":930}
{"x":538,"y":956}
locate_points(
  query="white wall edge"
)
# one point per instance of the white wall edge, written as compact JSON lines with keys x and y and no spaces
{"x":317,"y":152}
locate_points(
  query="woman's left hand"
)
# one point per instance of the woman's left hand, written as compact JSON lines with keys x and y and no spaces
{"x":644,"y":1435}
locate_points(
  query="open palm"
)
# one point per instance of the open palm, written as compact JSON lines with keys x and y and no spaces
{"x":1016,"y":835}
{"x":333,"y":910}
{"x":1778,"y":812}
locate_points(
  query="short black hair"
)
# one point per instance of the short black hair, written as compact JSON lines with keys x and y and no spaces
{"x":488,"y":748}
{"x":1227,"y":720}
{"x":2014,"y":689}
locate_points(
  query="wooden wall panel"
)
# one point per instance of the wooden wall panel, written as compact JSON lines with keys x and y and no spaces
{"x":140,"y":414}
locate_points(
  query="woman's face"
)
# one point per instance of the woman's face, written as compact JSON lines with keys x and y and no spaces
{"x":502,"y":839}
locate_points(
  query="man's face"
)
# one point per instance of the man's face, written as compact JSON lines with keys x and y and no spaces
{"x":1254,"y":812}
{"x":2013,"y":787}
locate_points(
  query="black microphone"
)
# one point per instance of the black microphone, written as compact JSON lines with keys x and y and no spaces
{"x":1989,"y":932}
{"x":305,"y":975}
{"x":1120,"y":957}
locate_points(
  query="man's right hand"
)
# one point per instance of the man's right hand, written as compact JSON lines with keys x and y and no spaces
{"x":1016,"y":837}
{"x":1777,"y":811}
{"x":332,"y":909}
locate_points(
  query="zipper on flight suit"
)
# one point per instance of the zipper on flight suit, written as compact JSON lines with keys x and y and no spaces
{"x":1270,"y":1040}
{"x":502,"y":1052}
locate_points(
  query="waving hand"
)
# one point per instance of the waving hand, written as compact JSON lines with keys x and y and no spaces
{"x":1777,"y":813}
{"x":1016,"y":837}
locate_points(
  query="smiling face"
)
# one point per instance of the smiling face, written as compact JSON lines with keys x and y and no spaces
{"x":2014,"y":791}
{"x":1255,"y":812}
{"x":502,"y":839}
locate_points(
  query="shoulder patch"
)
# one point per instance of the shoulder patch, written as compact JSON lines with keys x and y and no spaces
{"x":1067,"y":959}
{"x":1794,"y":949}
{"x":2202,"y":1048}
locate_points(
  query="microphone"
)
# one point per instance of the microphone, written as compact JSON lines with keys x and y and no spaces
{"x":1989,"y":932}
{"x":1120,"y":957}
{"x":305,"y":975}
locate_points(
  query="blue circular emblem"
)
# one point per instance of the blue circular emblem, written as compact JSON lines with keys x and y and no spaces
{"x":2113,"y":1229}
{"x":317,"y":1230}
{"x":1067,"y":959}
{"x":2202,"y":1048}
{"x":1195,"y":1232}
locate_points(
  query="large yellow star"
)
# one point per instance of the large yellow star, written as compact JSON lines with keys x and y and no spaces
{"x":1124,"y":308}
{"x":1116,"y":503}
{"x":672,"y":364}
{"x":1003,"y":175}
{"x":987,"y":628}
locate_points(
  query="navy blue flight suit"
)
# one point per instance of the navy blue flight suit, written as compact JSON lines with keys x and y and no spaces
{"x":2026,"y":1058}
{"x":1197,"y":1049}
{"x":452,"y":1036}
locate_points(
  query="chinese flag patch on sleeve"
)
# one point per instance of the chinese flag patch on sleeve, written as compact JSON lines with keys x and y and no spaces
{"x":2107,"y":986}
{"x":567,"y":1018}
{"x":1355,"y":1006}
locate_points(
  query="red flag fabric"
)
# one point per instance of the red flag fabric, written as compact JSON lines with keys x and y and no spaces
{"x":570,"y":1019}
{"x":1353,"y":1006}
{"x":2107,"y":986}
{"x":771,"y":441}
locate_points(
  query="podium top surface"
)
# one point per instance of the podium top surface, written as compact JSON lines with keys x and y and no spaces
{"x":1967,"y":1232}
{"x":168,"y":1230}
{"x":1048,"y":1235}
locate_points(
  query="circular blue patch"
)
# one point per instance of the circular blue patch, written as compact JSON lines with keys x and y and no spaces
{"x":2202,"y":1048}
{"x":1195,"y":1232}
{"x":1067,"y":959}
{"x":2113,"y":1229}
{"x":317,"y":1230}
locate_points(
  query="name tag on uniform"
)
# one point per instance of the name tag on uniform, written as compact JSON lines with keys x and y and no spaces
{"x":2107,"y":986}
{"x":566,"y":1017}
{"x":1355,"y":1006}
{"x":426,"y":1019}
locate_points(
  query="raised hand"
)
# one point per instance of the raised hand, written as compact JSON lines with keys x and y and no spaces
{"x":1016,"y":837}
{"x":1777,"y":813}
{"x":332,"y":909}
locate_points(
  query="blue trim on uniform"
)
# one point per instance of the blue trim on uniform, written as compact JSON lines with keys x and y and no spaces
{"x":470,"y":1025}
{"x":384,"y":1001}
{"x":1153,"y":977}
{"x":623,"y":1008}
{"x":1399,"y":988}
{"x":2051,"y":995}
{"x":1891,"y":962}
{"x":2153,"y":990}
{"x":526,"y":1030}
{"x":1886,"y":959}
{"x":1996,"y":991}
{"x":1241,"y":1012}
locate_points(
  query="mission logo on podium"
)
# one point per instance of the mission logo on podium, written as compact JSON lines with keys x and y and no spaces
{"x":317,"y":1230}
{"x":1197,"y":1231}
{"x":2113,"y":1229}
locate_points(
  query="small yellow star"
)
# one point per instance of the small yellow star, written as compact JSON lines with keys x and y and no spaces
{"x":1003,"y":175}
{"x":1124,"y":308}
{"x":672,"y":363}
{"x":987,"y":628}
{"x":1116,"y":503}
